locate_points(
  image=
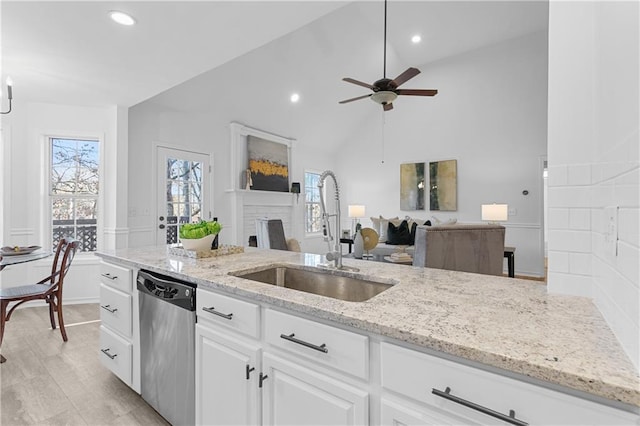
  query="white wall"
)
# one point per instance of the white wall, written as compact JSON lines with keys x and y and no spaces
{"x":594,"y":159}
{"x":151,"y":124}
{"x":490,"y":115}
{"x":25,"y":188}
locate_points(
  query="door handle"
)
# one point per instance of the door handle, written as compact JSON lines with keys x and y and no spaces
{"x":161,"y":226}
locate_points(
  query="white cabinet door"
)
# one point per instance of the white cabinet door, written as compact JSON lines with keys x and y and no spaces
{"x":294,"y":395}
{"x":227,"y":371}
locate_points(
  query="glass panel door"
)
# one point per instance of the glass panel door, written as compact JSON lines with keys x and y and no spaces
{"x":183,"y":191}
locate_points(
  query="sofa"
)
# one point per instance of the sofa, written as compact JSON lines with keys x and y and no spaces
{"x":468,"y":248}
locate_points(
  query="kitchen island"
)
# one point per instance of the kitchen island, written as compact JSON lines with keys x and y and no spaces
{"x":506,"y":325}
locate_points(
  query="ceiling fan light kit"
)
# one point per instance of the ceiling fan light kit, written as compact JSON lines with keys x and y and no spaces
{"x":385,"y":91}
{"x":384,"y":97}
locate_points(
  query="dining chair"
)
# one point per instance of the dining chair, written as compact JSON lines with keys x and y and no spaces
{"x":48,"y":289}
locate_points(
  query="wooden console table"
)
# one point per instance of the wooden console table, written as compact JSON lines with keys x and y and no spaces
{"x":510,"y":254}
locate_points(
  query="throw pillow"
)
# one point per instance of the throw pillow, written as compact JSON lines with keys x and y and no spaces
{"x":380,"y":225}
{"x":376,"y":223}
{"x":399,"y":235}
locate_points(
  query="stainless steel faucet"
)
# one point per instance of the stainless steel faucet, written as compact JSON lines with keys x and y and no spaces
{"x":336,"y":254}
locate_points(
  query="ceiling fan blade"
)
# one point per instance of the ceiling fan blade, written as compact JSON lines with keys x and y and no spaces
{"x":417,"y":92}
{"x":387,"y":107}
{"x":406,"y":76}
{"x":355,"y":99}
{"x":359,"y":83}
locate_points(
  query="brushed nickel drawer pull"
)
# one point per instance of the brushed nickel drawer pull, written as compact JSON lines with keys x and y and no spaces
{"x":106,"y":308}
{"x":291,"y":338}
{"x":109,"y":276}
{"x":106,"y":352}
{"x":511,"y":418}
{"x":212,"y":310}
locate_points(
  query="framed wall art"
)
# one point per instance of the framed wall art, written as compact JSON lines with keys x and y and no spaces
{"x":412,"y":183}
{"x":443,"y":185}
{"x":268,"y":164}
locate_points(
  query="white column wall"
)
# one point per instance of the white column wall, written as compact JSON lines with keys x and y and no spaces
{"x":594,"y":159}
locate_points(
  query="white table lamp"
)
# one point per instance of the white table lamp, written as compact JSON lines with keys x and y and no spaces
{"x":356,"y":211}
{"x":494,"y":213}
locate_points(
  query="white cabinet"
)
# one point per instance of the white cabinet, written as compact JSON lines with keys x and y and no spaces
{"x":227,"y":372}
{"x":118,"y":332}
{"x":238,"y":382}
{"x":295,"y":395}
{"x":455,"y":393}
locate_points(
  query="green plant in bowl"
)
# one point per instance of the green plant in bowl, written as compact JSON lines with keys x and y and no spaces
{"x":192,"y":231}
{"x":199,"y":236}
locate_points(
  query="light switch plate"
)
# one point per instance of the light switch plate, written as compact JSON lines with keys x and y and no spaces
{"x":611,"y":230}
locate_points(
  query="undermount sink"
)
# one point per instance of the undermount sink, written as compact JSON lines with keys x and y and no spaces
{"x":327,"y":283}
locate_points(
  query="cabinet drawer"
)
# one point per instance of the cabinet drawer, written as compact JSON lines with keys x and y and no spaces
{"x":235,"y":314}
{"x":331,"y":346}
{"x":115,"y":354}
{"x":115,"y":310}
{"x":415,"y":374}
{"x":116,"y":276}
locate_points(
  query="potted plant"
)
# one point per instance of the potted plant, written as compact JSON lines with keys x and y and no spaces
{"x":199,"y":236}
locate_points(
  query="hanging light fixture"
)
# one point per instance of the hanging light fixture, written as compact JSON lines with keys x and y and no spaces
{"x":9,"y":95}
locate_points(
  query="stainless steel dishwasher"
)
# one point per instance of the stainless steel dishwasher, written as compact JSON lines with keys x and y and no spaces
{"x":167,"y":346}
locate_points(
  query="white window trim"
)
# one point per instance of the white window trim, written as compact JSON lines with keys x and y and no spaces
{"x":45,"y":208}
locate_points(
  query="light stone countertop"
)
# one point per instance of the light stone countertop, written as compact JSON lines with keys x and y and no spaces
{"x":507,"y":323}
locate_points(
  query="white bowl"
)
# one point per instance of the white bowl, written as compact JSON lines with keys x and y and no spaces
{"x":198,"y":244}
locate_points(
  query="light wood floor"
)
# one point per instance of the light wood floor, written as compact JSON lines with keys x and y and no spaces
{"x":48,"y":382}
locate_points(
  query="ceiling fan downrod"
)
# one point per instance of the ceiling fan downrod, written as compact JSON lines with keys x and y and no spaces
{"x":384,"y":60}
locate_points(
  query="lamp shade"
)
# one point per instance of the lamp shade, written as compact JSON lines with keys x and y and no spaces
{"x":495,"y":212}
{"x":356,"y":211}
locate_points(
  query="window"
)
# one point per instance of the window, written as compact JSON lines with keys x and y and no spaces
{"x":73,"y":191}
{"x":312,"y":210}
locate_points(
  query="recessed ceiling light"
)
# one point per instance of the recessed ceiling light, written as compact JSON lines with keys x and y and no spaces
{"x":295,"y":98}
{"x":416,"y":39}
{"x":122,"y":18}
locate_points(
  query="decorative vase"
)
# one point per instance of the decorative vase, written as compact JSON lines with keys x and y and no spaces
{"x":198,"y":244}
{"x":358,"y":245}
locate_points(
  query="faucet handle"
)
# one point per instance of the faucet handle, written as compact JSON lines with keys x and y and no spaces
{"x":332,"y":255}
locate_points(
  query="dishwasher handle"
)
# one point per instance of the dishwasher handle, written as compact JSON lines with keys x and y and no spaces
{"x":167,"y":289}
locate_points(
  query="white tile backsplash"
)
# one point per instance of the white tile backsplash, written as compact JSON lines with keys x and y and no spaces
{"x":580,"y":263}
{"x":571,"y":241}
{"x":570,"y":196}
{"x":558,"y":261}
{"x":629,"y":225}
{"x":578,"y":285}
{"x":558,"y":175}
{"x":580,"y":219}
{"x":558,"y":218}
{"x":579,"y":174}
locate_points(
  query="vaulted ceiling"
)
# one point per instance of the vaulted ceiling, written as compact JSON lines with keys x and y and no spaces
{"x":72,"y":53}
